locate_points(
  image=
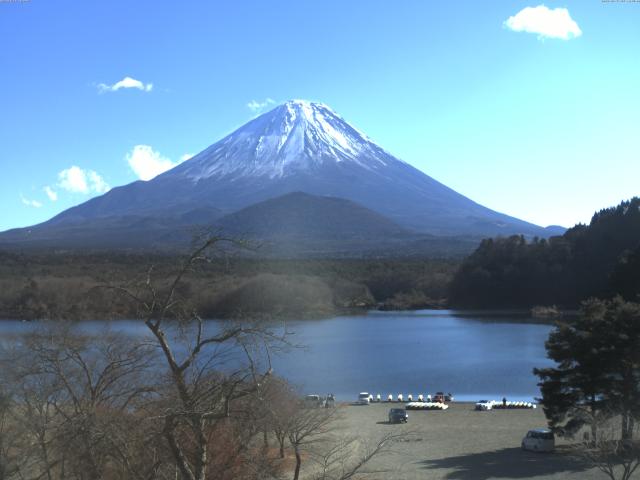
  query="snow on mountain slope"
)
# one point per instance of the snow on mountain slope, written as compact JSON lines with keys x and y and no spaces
{"x":293,"y":137}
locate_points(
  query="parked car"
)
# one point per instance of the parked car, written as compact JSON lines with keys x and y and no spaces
{"x":313,"y":401}
{"x":484,"y":405}
{"x":364,"y":398}
{"x":539,"y":440}
{"x":442,"y":397}
{"x":398,"y":415}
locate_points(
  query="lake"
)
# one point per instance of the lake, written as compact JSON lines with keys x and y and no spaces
{"x":472,"y":355}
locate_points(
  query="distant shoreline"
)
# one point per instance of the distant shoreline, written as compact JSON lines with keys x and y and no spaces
{"x":494,"y":314}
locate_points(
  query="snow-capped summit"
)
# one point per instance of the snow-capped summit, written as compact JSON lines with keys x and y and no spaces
{"x":298,"y":135}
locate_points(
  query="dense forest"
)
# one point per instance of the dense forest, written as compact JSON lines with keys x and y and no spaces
{"x":600,"y":259}
{"x":75,"y":286}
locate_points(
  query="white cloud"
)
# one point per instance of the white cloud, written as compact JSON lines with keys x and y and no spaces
{"x":30,"y":203}
{"x":76,"y":180}
{"x":547,"y":23}
{"x":185,"y":157}
{"x":51,"y":193}
{"x":97,"y":183}
{"x":257,"y":107}
{"x":126,"y":82}
{"x":147,"y":163}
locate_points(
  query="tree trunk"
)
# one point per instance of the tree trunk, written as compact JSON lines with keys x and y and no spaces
{"x":594,"y":421}
{"x":201,"y":448}
{"x":626,"y":432}
{"x":296,"y":473}
{"x":45,"y":454}
{"x":181,"y":461}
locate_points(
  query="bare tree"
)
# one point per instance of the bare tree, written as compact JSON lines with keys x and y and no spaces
{"x":34,"y":412}
{"x":611,"y":451}
{"x":9,"y":455}
{"x":306,"y":428}
{"x":210,"y":368}
{"x":73,"y":399}
{"x":280,"y":404}
{"x":349,"y":458}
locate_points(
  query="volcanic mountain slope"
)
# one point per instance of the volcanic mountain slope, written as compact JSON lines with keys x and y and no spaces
{"x":296,"y":147}
{"x":302,"y":225}
{"x":300,"y":215}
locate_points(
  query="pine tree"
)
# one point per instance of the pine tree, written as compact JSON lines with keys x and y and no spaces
{"x":598,"y":368}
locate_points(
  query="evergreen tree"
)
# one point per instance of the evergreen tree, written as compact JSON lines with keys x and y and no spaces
{"x":598,"y":368}
{"x":572,"y":392}
{"x":620,"y":354}
{"x":625,"y":279}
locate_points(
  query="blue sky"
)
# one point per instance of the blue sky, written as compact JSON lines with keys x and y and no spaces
{"x":530,"y":114}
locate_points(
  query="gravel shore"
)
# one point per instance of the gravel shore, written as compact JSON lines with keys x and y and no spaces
{"x":460,"y":443}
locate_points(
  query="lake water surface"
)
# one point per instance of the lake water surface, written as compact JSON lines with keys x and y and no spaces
{"x":472,"y":355}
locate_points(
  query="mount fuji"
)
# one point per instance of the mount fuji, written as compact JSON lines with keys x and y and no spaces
{"x":298,"y":147}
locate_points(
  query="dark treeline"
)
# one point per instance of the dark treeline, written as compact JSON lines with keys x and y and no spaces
{"x":600,"y":259}
{"x":64,"y":285}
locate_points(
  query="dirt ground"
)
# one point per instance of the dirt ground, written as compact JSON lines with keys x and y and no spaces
{"x":460,"y":443}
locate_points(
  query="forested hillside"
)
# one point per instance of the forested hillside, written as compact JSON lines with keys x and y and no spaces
{"x":71,"y":286}
{"x":600,"y":259}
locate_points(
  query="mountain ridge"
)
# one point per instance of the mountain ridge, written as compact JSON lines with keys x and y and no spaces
{"x":296,"y":147}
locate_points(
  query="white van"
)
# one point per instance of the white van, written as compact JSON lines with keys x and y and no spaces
{"x":539,"y":440}
{"x":364,"y":398}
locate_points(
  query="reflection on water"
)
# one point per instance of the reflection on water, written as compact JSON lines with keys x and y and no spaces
{"x":471,"y":354}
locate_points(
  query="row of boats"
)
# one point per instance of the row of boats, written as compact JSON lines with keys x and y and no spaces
{"x":504,"y":405}
{"x":439,"y":402}
{"x":426,"y":406}
{"x":365,"y":398}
